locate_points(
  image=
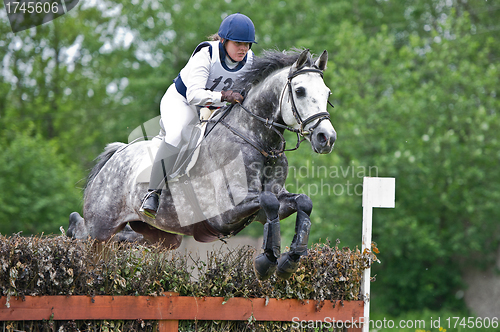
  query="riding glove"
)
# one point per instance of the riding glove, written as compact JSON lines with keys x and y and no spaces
{"x":231,"y":97}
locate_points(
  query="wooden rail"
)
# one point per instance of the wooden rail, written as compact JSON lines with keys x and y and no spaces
{"x":171,"y":308}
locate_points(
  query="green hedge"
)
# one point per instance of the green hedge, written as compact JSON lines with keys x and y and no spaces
{"x":62,"y":266}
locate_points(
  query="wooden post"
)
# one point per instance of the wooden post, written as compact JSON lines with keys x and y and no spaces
{"x":377,"y":192}
{"x":366,"y":245}
{"x":171,"y":325}
{"x":168,"y":326}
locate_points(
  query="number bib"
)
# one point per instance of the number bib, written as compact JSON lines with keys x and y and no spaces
{"x":221,"y":76}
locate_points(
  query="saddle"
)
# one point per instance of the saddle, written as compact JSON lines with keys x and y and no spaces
{"x":192,"y":136}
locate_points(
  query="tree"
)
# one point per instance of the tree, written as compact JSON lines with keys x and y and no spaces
{"x":424,"y":113}
{"x":39,"y":190}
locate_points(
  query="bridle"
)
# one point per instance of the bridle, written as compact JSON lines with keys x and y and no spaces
{"x":300,"y":132}
{"x":303,"y":123}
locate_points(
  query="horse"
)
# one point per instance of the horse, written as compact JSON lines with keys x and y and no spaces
{"x":245,"y":142}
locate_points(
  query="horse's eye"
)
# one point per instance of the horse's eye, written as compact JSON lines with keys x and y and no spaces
{"x":300,"y":91}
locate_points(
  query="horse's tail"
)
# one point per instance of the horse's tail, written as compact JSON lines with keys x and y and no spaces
{"x":102,"y":159}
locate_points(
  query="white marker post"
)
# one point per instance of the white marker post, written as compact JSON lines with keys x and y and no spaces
{"x":379,"y":193}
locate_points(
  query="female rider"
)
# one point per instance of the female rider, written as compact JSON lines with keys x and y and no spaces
{"x":205,"y":81}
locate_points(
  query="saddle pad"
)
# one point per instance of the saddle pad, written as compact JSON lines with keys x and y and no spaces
{"x":144,"y":169}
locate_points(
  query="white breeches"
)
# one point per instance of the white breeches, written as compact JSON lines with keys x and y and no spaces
{"x":176,"y":114}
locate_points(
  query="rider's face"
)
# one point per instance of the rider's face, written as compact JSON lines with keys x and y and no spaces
{"x":237,"y":50}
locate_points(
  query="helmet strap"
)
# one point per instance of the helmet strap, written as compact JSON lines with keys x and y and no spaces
{"x":225,"y":51}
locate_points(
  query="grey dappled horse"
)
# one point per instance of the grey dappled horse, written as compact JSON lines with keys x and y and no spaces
{"x":283,"y":91}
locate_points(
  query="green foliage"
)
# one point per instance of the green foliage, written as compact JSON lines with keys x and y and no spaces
{"x":82,"y":325}
{"x":59,"y":265}
{"x":425,"y":113}
{"x":425,"y":320}
{"x":38,"y":189}
{"x":232,"y":275}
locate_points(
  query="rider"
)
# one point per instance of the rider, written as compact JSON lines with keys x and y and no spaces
{"x":205,"y":81}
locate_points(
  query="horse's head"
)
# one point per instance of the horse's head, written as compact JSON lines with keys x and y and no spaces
{"x":304,"y":102}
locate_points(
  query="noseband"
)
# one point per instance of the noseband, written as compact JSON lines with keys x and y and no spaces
{"x":301,"y":132}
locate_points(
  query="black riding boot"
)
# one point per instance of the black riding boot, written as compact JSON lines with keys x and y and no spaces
{"x":162,"y":168}
{"x":150,"y":203}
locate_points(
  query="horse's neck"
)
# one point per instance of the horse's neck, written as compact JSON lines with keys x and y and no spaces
{"x":264,"y":99}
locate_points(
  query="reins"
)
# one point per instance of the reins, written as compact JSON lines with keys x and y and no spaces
{"x":270,"y":125}
{"x":301,"y":132}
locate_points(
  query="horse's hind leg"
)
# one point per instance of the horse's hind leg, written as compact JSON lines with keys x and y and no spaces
{"x":81,"y":228}
{"x":77,"y":228}
{"x":289,"y":261}
{"x":265,"y":264}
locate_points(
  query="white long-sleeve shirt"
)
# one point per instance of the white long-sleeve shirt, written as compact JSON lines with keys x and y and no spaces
{"x":209,"y":71}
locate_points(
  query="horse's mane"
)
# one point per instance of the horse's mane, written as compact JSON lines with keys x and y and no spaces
{"x":102,"y":159}
{"x":265,"y":65}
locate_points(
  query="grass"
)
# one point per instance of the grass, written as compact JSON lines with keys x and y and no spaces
{"x":433,"y":321}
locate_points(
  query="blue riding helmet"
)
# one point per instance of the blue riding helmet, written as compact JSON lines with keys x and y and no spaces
{"x":239,"y":28}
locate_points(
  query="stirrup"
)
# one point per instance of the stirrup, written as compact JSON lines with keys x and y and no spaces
{"x":150,"y":204}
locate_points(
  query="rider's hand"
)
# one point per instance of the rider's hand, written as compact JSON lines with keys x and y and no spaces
{"x":231,"y":97}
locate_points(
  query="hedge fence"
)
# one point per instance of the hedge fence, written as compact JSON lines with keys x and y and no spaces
{"x":58,"y":265}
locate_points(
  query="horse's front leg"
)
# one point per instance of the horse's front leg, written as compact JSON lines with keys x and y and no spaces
{"x":289,"y":261}
{"x":265,"y":264}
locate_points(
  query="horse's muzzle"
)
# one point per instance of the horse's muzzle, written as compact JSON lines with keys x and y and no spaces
{"x":323,"y":139}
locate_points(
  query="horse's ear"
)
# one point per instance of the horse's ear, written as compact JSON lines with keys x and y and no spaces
{"x":301,"y":60}
{"x":322,"y":61}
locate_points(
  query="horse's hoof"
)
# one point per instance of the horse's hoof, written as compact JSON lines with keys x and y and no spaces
{"x":74,"y":220}
{"x":127,"y":234}
{"x":264,"y":267}
{"x":287,"y":266}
